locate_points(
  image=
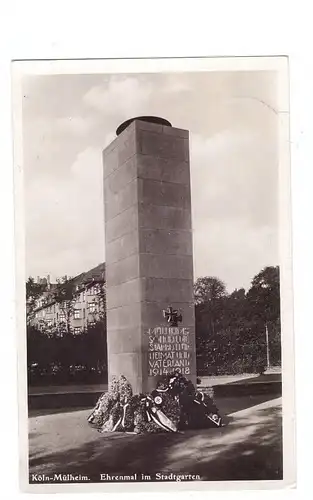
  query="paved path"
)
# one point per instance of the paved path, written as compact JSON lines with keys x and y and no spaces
{"x":248,"y":447}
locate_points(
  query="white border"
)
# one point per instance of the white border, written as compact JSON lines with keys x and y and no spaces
{"x":32,"y":29}
{"x":166,"y":65}
{"x":155,"y":65}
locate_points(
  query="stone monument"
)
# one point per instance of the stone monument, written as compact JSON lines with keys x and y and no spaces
{"x":149,"y":263}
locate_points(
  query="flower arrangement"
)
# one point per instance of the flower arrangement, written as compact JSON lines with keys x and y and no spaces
{"x":173,"y":405}
{"x":158,"y":412}
{"x":108,"y":414}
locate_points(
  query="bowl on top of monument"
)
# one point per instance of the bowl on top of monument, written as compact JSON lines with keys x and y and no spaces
{"x":150,"y":119}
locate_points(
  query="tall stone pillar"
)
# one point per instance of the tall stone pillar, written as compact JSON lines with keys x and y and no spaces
{"x":149,"y":264}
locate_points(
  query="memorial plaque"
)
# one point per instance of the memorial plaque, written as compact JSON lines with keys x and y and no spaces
{"x":169,"y":350}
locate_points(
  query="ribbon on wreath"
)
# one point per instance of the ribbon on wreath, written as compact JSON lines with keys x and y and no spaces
{"x":214,"y":417}
{"x":121,"y":419}
{"x":156,"y":415}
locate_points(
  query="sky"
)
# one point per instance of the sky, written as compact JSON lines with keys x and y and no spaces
{"x":232,"y":118}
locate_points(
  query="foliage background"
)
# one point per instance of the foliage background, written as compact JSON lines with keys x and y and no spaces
{"x":230,"y":334}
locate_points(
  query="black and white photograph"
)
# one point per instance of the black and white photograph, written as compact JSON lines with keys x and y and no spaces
{"x":154,"y":271}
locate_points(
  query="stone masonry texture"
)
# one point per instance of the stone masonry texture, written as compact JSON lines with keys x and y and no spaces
{"x":149,"y":263}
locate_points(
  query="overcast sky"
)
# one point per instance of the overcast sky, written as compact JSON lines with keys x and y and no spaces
{"x":69,"y":119}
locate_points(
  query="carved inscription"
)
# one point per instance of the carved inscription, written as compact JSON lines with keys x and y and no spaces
{"x":169,"y":350}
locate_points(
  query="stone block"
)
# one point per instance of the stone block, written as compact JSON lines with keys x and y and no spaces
{"x":127,"y":146}
{"x":116,"y":203}
{"x":121,"y":247}
{"x":163,"y":169}
{"x":154,"y":127}
{"x":123,"y":270}
{"x":108,"y":150}
{"x":166,"y":266}
{"x":163,"y":241}
{"x":167,"y":290}
{"x":178,"y":132}
{"x":121,"y":224}
{"x":156,"y":216}
{"x":125,"y":340}
{"x":124,"y":294}
{"x":124,"y":316}
{"x":119,"y":151}
{"x":120,"y":177}
{"x":162,"y":145}
{"x":110,"y":162}
{"x":163,"y":193}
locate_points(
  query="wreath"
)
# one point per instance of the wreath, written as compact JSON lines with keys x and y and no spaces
{"x":173,"y":405}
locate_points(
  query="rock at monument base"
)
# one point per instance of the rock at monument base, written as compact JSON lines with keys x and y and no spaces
{"x":174,"y":405}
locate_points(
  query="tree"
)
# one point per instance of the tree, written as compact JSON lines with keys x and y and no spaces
{"x":55,"y":354}
{"x":100,"y":301}
{"x":264,"y":294}
{"x":96,"y":340}
{"x":230,"y":328}
{"x":264,"y":310}
{"x":238,"y":295}
{"x":65,"y":295}
{"x":208,"y":289}
{"x":33,"y":292}
{"x":209,"y":293}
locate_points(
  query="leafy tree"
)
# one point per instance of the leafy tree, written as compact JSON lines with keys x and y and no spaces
{"x":238,"y":295}
{"x":209,"y":293}
{"x":65,"y":295}
{"x":33,"y":292}
{"x":96,"y":340}
{"x":230,"y":329}
{"x":100,"y":301}
{"x":264,"y":309}
{"x":264,"y":294}
{"x":67,"y":359}
{"x":208,"y":289}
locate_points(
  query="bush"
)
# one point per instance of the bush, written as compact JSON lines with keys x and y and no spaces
{"x":69,"y":359}
{"x":240,"y":350}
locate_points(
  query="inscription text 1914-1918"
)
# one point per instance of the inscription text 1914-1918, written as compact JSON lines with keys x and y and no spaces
{"x":168,"y":350}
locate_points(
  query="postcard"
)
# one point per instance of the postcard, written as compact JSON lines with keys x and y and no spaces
{"x":154,"y":294}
